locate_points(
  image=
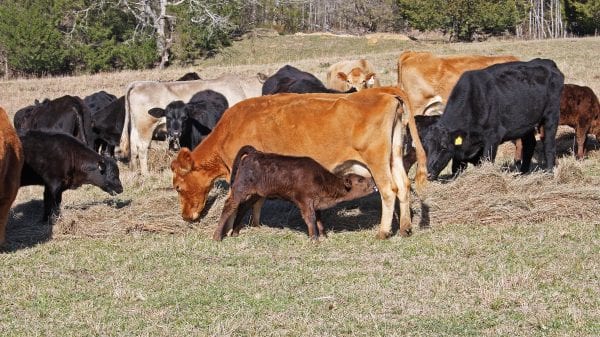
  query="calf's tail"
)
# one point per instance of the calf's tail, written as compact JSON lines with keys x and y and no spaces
{"x":245,"y":150}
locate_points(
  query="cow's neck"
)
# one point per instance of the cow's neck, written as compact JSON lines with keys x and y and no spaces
{"x":206,"y":156}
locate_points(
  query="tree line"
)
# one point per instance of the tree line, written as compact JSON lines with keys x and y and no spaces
{"x":39,"y":37}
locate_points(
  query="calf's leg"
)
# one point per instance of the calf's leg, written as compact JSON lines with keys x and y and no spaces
{"x":227,"y":217}
{"x":52,"y":201}
{"x":310,"y":218}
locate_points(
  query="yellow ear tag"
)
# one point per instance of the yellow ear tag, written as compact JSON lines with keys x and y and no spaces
{"x":458,"y":140}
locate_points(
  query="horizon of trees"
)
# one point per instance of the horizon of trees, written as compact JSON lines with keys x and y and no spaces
{"x":40,"y":37}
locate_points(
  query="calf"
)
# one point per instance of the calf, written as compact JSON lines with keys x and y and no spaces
{"x":107,"y":126}
{"x":579,"y":109}
{"x":293,"y":80}
{"x":60,"y":162}
{"x":352,"y":74}
{"x":188,"y":124}
{"x":301,"y":180}
{"x":11,"y":162}
{"x":499,"y":103}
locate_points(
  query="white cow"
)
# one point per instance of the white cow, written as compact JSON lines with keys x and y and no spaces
{"x":142,"y":96}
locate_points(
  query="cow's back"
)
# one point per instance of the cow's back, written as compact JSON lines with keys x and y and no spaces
{"x":11,"y":162}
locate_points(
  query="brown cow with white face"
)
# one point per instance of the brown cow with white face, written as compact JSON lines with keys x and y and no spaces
{"x":357,"y":74}
{"x":11,"y":163}
{"x":363,"y":127}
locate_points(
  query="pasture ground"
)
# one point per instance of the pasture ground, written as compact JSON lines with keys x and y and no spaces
{"x":492,"y":253}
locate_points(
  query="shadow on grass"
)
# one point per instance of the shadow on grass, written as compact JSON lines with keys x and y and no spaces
{"x":25,"y":227}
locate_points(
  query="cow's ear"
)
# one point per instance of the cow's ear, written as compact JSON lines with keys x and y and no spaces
{"x":342,"y":76}
{"x":347,"y":182}
{"x":188,"y":109}
{"x":156,"y":112}
{"x":184,"y":162}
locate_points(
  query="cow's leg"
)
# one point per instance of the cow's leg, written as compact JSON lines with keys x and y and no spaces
{"x":310,"y":218}
{"x":52,"y":201}
{"x":549,"y":142}
{"x":528,"y":148}
{"x":518,"y":153}
{"x":256,"y":209}
{"x":4,"y":209}
{"x":227,"y":217}
{"x":320,"y":226}
{"x":400,"y":182}
{"x":580,"y":136}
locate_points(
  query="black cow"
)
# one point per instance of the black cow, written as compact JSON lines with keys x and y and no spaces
{"x":290,"y":79}
{"x":98,"y":100}
{"x":188,"y":124}
{"x":59,"y":162}
{"x":107,"y":126}
{"x":67,"y":114}
{"x":191,"y":76}
{"x":499,"y":103}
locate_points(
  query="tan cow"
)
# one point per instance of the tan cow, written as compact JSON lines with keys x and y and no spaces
{"x":358,"y":74}
{"x":142,"y":96}
{"x":11,"y":162}
{"x":334,"y":129}
{"x":428,"y":79}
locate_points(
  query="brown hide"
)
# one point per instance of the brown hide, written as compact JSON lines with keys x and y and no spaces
{"x":11,"y":162}
{"x":579,"y":109}
{"x":332,"y":129}
{"x":428,"y":79}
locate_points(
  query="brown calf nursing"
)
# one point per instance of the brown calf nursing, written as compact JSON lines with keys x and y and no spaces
{"x":300,"y":180}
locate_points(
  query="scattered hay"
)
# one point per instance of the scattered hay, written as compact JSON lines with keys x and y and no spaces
{"x":486,"y":195}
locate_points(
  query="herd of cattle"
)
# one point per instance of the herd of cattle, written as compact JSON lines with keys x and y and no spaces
{"x":291,"y":136}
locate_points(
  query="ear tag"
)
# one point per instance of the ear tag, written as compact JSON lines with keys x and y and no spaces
{"x":458,"y":140}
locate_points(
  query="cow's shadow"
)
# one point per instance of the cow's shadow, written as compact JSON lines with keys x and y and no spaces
{"x":25,"y":227}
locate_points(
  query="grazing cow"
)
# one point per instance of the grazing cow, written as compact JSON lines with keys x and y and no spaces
{"x":294,"y":80}
{"x":60,"y":162}
{"x":492,"y":105}
{"x":11,"y":162}
{"x":98,"y":100}
{"x":301,"y":180}
{"x":142,"y":96}
{"x":67,"y":114}
{"x":188,"y":124}
{"x":579,"y":109}
{"x":428,"y":79}
{"x":363,"y":127}
{"x":354,"y":74}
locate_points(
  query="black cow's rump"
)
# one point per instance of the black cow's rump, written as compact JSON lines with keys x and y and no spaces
{"x":290,"y":79}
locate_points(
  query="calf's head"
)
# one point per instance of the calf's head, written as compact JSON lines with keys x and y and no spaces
{"x":192,"y":183}
{"x":105,"y":174}
{"x":177,"y":113}
{"x":357,"y":79}
{"x":358,"y":186}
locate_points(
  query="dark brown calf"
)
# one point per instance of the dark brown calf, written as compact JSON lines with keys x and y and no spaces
{"x":579,"y":109}
{"x":301,"y":180}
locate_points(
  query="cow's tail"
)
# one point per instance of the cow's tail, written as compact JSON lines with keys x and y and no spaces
{"x":124,"y":149}
{"x":421,"y":174}
{"x":245,"y":150}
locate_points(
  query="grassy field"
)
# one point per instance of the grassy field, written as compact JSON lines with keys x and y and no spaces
{"x":492,"y":254}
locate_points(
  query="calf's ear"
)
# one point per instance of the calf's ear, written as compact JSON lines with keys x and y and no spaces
{"x":184,"y":162}
{"x":342,"y":76}
{"x":156,"y":112}
{"x":347,"y":183}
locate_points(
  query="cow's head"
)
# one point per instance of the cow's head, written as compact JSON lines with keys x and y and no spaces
{"x":177,"y":113}
{"x":357,"y":79}
{"x":442,"y":145}
{"x":192,"y":183}
{"x":105,"y":174}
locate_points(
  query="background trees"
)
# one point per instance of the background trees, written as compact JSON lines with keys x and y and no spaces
{"x":62,"y":36}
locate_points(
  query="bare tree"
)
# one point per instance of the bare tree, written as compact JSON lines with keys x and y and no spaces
{"x":545,"y":19}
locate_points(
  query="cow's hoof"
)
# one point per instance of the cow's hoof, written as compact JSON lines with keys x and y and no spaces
{"x":381,"y":235}
{"x":217,"y":237}
{"x":405,"y":232}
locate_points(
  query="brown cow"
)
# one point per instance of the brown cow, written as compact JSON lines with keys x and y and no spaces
{"x":579,"y":109}
{"x":302,"y":180}
{"x":11,"y":163}
{"x":332,"y":129}
{"x":357,"y":74}
{"x":428,"y":79}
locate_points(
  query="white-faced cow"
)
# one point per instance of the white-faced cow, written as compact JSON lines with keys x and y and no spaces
{"x":357,"y":74}
{"x":142,"y":96}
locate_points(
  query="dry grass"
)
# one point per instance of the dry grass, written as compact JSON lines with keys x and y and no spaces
{"x":503,"y":254}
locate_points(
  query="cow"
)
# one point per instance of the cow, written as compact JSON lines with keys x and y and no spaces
{"x":67,"y":114}
{"x":293,"y":80}
{"x":191,"y":76}
{"x":188,"y":123}
{"x":98,"y":100}
{"x":142,"y":96}
{"x":489,"y":106}
{"x":579,"y":109}
{"x":356,"y":74}
{"x":364,"y":127}
{"x":11,"y":163}
{"x":301,"y":180}
{"x":59,"y":162}
{"x":107,"y":126}
{"x":428,"y":79}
